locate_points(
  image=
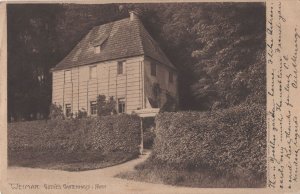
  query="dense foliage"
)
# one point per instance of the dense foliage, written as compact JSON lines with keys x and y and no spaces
{"x":101,"y":135}
{"x":230,"y":141}
{"x":56,"y":112}
{"x":218,"y":49}
{"x":106,"y":106}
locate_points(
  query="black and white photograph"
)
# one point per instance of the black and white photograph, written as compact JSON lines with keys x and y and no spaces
{"x":133,"y":96}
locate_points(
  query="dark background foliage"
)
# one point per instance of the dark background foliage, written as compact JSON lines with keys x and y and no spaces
{"x":218,"y":48}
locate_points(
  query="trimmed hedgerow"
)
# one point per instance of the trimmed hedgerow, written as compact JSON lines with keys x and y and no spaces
{"x":103,"y":135}
{"x":230,"y":141}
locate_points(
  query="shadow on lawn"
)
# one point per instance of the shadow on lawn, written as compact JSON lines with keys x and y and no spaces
{"x":153,"y":172}
{"x":76,"y":161}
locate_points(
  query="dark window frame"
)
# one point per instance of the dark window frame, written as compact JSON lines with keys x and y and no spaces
{"x":65,"y":76}
{"x":121,"y":105}
{"x":93,"y":107}
{"x":120,"y":67}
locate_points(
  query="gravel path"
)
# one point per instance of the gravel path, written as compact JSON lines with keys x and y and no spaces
{"x":93,"y":181}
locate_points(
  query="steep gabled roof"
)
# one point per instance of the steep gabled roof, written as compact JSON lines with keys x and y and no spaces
{"x":120,"y":39}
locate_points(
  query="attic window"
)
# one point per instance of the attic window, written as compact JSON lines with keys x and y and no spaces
{"x":97,"y":49}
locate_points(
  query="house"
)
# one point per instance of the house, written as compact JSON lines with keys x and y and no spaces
{"x":120,"y":60}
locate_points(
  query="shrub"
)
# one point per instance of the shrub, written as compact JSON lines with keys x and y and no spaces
{"x":56,"y":112}
{"x":103,"y":135}
{"x":106,"y":107}
{"x":230,"y":141}
{"x":115,"y":133}
{"x":81,"y":114}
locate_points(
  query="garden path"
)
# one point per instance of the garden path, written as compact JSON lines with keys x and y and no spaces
{"x":101,"y":177}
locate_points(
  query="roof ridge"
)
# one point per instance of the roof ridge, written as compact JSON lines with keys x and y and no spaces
{"x":112,"y":22}
{"x":140,"y":25}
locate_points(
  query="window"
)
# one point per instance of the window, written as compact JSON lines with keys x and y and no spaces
{"x":68,"y":77}
{"x":121,"y":105}
{"x":170,"y":76}
{"x":97,"y":49}
{"x":120,"y":67}
{"x":93,"y":107}
{"x":68,"y":110}
{"x":153,"y":69}
{"x":93,"y":72}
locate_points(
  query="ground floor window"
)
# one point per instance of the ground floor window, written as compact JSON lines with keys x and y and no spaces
{"x":68,"y":110}
{"x":93,"y":107}
{"x":121,"y":105}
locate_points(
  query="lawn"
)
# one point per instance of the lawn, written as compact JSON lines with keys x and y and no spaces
{"x":77,"y":161}
{"x":202,"y":178}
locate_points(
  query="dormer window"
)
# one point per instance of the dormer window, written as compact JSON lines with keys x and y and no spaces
{"x":97,"y":49}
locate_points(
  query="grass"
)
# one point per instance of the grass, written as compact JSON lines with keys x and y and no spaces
{"x":201,"y":178}
{"x":79,"y":161}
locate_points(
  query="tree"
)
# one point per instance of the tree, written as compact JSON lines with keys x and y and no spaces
{"x":230,"y":55}
{"x":217,"y":48}
{"x":31,"y":54}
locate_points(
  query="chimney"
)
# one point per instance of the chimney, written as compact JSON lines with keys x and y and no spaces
{"x":133,"y":15}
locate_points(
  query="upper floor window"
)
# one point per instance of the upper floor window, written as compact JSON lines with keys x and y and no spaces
{"x":67,"y":76}
{"x":97,"y":49}
{"x":120,"y":67}
{"x":171,"y":79}
{"x":153,"y":69}
{"x":93,"y":107}
{"x":121,"y":105}
{"x":93,"y":72}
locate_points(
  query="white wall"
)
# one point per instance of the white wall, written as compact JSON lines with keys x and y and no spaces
{"x":82,"y":89}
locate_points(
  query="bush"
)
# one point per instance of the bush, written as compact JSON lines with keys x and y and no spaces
{"x":106,"y":107}
{"x":56,"y":112}
{"x":230,"y":141}
{"x":103,"y":135}
{"x":81,"y":114}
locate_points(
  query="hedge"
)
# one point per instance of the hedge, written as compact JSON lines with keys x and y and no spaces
{"x":96,"y":134}
{"x":230,"y":141}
